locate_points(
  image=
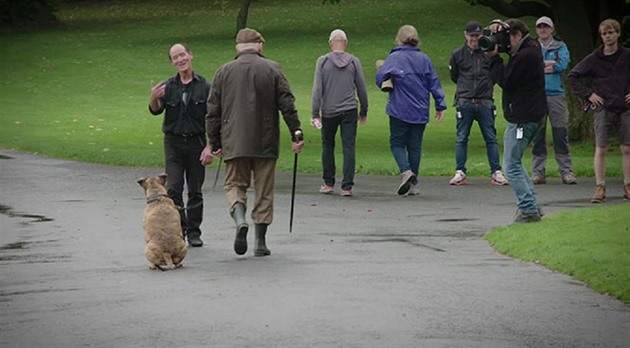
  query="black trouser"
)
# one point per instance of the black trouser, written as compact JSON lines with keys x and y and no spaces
{"x":182,"y":161}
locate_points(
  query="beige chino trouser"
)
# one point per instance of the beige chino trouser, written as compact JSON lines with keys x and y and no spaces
{"x":238,"y":176}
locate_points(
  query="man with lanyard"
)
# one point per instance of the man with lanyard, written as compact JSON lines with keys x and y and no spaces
{"x":524,"y":107}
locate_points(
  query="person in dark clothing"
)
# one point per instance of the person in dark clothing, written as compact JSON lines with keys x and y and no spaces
{"x":608,"y":69}
{"x":470,"y":70}
{"x":183,"y":99}
{"x":524,"y":106}
{"x":243,"y":124}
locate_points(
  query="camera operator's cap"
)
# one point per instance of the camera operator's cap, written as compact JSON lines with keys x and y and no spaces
{"x":473,"y":27}
{"x":337,"y":35}
{"x":248,"y":36}
{"x":545,"y":20}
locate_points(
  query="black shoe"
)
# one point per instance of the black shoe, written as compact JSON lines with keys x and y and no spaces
{"x":522,"y":217}
{"x":194,"y":240}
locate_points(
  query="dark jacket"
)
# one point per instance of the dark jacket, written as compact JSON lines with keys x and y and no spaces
{"x":246,"y":96}
{"x":523,"y":83}
{"x":609,"y":77}
{"x":183,"y":118}
{"x":470,"y":70}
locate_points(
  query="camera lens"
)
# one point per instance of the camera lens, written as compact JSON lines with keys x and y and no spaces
{"x":487,"y":42}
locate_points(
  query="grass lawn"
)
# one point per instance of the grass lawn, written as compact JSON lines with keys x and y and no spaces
{"x":80,"y":91}
{"x":592,"y":245}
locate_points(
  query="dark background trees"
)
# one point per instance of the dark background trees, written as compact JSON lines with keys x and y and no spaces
{"x":27,"y":12}
{"x":577,"y":22}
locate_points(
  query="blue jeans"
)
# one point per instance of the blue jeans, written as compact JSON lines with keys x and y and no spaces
{"x":405,"y":142}
{"x":515,"y":171}
{"x":347,"y":121}
{"x":483,"y":113}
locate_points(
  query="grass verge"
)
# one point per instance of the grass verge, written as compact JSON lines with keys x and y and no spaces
{"x":590,"y":244}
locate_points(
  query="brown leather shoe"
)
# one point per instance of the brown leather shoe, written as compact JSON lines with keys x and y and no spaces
{"x":626,"y":193}
{"x":600,"y":194}
{"x":569,"y":179}
{"x":537,"y":179}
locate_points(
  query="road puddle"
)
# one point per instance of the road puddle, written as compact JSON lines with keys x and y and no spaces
{"x":8,"y":211}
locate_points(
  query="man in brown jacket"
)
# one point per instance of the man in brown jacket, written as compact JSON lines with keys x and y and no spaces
{"x":243,"y":127}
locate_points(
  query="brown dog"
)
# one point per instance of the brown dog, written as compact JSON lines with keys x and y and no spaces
{"x":165,"y":248}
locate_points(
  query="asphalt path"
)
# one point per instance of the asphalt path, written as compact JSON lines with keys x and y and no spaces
{"x":372,"y":270}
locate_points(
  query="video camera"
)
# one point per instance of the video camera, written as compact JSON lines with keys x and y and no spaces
{"x":489,"y":40}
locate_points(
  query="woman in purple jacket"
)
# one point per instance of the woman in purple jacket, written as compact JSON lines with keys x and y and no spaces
{"x":414,"y":77}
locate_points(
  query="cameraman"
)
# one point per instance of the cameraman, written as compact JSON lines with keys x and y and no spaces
{"x":524,"y":106}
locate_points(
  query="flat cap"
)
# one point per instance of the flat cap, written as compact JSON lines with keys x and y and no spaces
{"x":248,"y":35}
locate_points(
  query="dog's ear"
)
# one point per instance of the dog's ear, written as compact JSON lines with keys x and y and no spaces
{"x":163,"y":178}
{"x":141,"y":181}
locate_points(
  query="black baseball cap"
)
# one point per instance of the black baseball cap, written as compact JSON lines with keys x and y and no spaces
{"x":473,"y":27}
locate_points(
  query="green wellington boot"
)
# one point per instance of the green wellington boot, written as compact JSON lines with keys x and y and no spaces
{"x":260,"y":248}
{"x":240,"y":241}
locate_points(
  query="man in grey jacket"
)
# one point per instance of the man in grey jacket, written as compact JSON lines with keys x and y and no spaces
{"x":243,"y":126}
{"x":337,"y":83}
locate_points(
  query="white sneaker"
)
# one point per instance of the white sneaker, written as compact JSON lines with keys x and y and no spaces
{"x":498,"y":179}
{"x":413,"y":191}
{"x":459,"y":178}
{"x":407,"y":180}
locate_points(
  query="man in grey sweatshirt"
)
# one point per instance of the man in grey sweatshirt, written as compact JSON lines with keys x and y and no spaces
{"x":338,"y":82}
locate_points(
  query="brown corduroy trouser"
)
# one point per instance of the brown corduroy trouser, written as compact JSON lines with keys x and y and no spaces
{"x":238,"y":177}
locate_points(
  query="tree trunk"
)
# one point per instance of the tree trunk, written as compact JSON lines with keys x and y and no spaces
{"x":569,"y":21}
{"x":243,"y":13}
{"x":580,"y":127}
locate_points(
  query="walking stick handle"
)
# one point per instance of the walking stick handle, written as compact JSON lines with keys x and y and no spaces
{"x":298,"y":135}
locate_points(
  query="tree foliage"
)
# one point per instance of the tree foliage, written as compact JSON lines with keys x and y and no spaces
{"x":27,"y":12}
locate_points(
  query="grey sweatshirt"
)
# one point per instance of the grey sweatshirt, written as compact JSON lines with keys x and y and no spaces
{"x":337,"y":83}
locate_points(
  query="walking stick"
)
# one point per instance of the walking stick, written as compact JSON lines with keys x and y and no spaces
{"x":216,"y":178}
{"x":297,"y":137}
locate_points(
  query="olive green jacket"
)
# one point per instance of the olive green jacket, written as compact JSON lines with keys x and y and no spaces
{"x":243,"y":107}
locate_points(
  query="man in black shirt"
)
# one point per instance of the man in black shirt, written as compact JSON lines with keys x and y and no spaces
{"x":183,"y":97}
